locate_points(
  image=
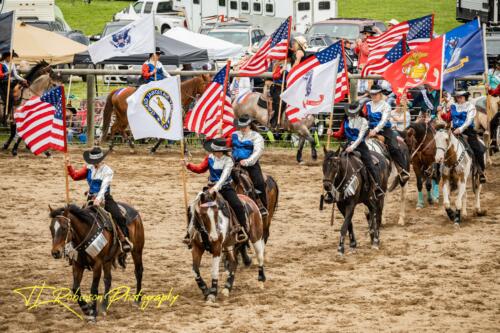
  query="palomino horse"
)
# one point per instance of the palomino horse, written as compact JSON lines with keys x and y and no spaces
{"x":40,"y":78}
{"x":394,"y":179}
{"x":457,"y":165}
{"x":346,"y":180}
{"x":83,"y":235}
{"x":490,"y":131}
{"x":259,"y":107}
{"x":211,"y":221}
{"x":420,"y":140}
{"x":116,"y":103}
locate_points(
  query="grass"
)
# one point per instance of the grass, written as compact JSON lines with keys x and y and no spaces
{"x":402,"y":10}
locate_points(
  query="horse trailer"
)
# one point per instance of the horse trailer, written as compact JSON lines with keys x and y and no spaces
{"x":487,"y":10}
{"x":267,"y":14}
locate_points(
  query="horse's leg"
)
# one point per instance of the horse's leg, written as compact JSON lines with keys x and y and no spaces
{"x":138,"y":270}
{"x":94,"y":290}
{"x":247,"y":260}
{"x":314,"y":153}
{"x":477,"y":194}
{"x":446,"y":200}
{"x":428,"y":187}
{"x":128,"y":139}
{"x":107,"y":285}
{"x":420,"y":200}
{"x":376,"y":222}
{"x":402,"y":207}
{"x":349,"y":211}
{"x":352,"y":239}
{"x":16,"y":146}
{"x":302,"y":141}
{"x":77,"y":279}
{"x":197,"y":252}
{"x":258,"y":247}
{"x":458,"y":201}
{"x":435,"y":182}
{"x":215,"y":278}
{"x":12,"y":135}
{"x":231,"y":270}
{"x":156,"y":146}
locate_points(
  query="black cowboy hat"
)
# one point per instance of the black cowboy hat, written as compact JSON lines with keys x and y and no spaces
{"x":95,"y":155}
{"x":8,"y":54}
{"x":355,"y":108}
{"x":461,"y":93}
{"x":159,"y":51}
{"x":375,"y":89}
{"x":216,"y":145}
{"x":243,"y":121}
{"x":368,"y":29}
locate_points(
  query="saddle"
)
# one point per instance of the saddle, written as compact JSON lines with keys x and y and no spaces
{"x":375,"y":158}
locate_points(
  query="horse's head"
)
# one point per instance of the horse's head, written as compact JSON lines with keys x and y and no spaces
{"x":331,"y":165}
{"x":443,"y":142}
{"x":202,"y":83}
{"x":59,"y":228}
{"x":208,"y":214}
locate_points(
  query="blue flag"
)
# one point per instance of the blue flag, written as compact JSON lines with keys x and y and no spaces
{"x":6,"y":21}
{"x":463,"y":53}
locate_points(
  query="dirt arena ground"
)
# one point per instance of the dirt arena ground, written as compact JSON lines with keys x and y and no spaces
{"x":427,"y":275}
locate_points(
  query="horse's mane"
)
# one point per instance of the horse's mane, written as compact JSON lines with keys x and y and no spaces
{"x":420,"y":129}
{"x":34,"y":72}
{"x":83,"y":215}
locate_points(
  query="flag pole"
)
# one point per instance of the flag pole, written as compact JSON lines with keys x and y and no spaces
{"x":7,"y":99}
{"x":284,"y":72}
{"x":183,"y":171}
{"x":223,"y":97}
{"x":66,"y":175}
{"x":486,"y":85}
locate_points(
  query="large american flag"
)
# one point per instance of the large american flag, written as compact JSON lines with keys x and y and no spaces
{"x":394,"y":54}
{"x":323,"y":56}
{"x":276,"y":47}
{"x":416,"y":32}
{"x":205,"y":118}
{"x":41,"y":121}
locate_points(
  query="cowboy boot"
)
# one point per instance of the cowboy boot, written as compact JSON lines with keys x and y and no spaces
{"x":125,"y":243}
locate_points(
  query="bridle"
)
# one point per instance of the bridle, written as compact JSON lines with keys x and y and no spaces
{"x":69,"y":233}
{"x":333,"y":181}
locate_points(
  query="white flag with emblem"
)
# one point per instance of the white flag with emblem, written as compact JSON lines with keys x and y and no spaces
{"x":155,"y":111}
{"x":314,"y":91}
{"x":137,"y":37}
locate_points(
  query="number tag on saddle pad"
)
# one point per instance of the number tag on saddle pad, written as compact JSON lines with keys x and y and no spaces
{"x":98,"y":242}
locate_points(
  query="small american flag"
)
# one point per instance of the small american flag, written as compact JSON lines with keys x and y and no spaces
{"x":276,"y":47}
{"x":326,"y":55}
{"x":379,"y":66}
{"x":205,"y":118}
{"x":41,"y":121}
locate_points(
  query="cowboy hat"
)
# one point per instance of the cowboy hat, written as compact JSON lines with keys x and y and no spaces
{"x":95,"y":155}
{"x":8,"y":54}
{"x":375,"y":89}
{"x":302,"y":41}
{"x":243,"y":121}
{"x":355,"y":108}
{"x":216,"y":145}
{"x":461,"y":93}
{"x":159,"y":51}
{"x":368,"y":29}
{"x":392,"y":22}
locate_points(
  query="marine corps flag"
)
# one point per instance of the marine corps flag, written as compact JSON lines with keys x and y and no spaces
{"x":423,"y":65}
{"x":154,"y":110}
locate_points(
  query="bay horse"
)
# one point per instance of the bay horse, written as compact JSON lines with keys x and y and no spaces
{"x":259,"y":107}
{"x":457,"y":165}
{"x":73,"y":228}
{"x":420,"y":140}
{"x":210,"y":226}
{"x":116,"y":103}
{"x":394,"y":180}
{"x":346,"y":180}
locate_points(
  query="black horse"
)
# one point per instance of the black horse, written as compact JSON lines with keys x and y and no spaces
{"x":347,"y":182}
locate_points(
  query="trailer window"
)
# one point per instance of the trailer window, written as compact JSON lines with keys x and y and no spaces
{"x":222,"y":3}
{"x":324,"y":5}
{"x":233,"y":5}
{"x":270,"y":9}
{"x":257,"y":8}
{"x":303,"y":6}
{"x":147,"y":7}
{"x":245,"y":7}
{"x":196,"y":2}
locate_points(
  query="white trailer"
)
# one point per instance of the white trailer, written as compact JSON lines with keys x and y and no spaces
{"x":39,"y":10}
{"x":268,"y":14}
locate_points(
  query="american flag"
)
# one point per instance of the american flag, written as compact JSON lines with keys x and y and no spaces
{"x":276,"y":47}
{"x":323,"y":56}
{"x":41,"y":121}
{"x":417,"y":32}
{"x":379,"y":66}
{"x":205,"y":118}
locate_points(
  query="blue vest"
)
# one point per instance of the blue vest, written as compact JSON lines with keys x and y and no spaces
{"x":459,"y":118}
{"x":159,"y":74}
{"x":215,"y":173}
{"x":350,"y":133}
{"x":375,"y":117}
{"x":241,"y":149}
{"x":95,"y":184}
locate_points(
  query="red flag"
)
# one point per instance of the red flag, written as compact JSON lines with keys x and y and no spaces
{"x":423,"y":65}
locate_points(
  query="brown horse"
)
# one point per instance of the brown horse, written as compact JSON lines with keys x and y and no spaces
{"x":116,"y":103}
{"x":84,"y":236}
{"x":211,"y":221}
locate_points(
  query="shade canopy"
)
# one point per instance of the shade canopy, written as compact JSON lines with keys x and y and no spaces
{"x":33,"y":44}
{"x":217,"y":48}
{"x":176,"y":53}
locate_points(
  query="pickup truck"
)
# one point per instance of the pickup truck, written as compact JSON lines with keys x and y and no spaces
{"x":165,"y":15}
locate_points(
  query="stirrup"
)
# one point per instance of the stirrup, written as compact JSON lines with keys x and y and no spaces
{"x":241,"y":236}
{"x":263,"y":211}
{"x":126,"y":245}
{"x":482,"y":178}
{"x":404,"y":175}
{"x":379,"y":192}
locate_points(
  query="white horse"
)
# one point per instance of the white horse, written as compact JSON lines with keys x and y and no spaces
{"x":457,"y":165}
{"x":378,"y":147}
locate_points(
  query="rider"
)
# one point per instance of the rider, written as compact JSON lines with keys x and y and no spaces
{"x":248,"y":147}
{"x":379,"y":112}
{"x":99,"y":177}
{"x":5,"y":62}
{"x":461,"y":115}
{"x":152,"y":69}
{"x":427,"y":100}
{"x":220,"y":164}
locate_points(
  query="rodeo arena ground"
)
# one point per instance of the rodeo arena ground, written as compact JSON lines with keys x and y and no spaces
{"x":255,"y":166}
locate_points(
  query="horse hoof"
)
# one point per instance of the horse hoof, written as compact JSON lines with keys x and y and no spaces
{"x":401,"y":221}
{"x":225,"y":292}
{"x":450,"y":213}
{"x":340,"y":251}
{"x":91,"y":319}
{"x":210,"y":298}
{"x":152,"y":152}
{"x":480,"y":212}
{"x":375,"y":247}
{"x":456,"y":225}
{"x":261,"y":285}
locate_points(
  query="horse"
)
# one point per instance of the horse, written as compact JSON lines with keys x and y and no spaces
{"x":394,"y":180}
{"x":486,"y":120}
{"x":457,"y":165}
{"x":116,"y":103}
{"x":259,"y":107}
{"x":210,"y":223}
{"x":84,"y":236}
{"x":346,"y":176}
{"x":420,"y":139}
{"x":40,"y":78}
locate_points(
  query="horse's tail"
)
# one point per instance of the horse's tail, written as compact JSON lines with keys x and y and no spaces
{"x":272,"y":185}
{"x":106,"y":117}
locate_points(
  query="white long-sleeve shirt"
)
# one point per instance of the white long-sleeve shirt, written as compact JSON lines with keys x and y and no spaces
{"x":14,"y":71}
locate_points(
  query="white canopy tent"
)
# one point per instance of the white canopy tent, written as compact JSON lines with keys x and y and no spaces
{"x":217,"y":49}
